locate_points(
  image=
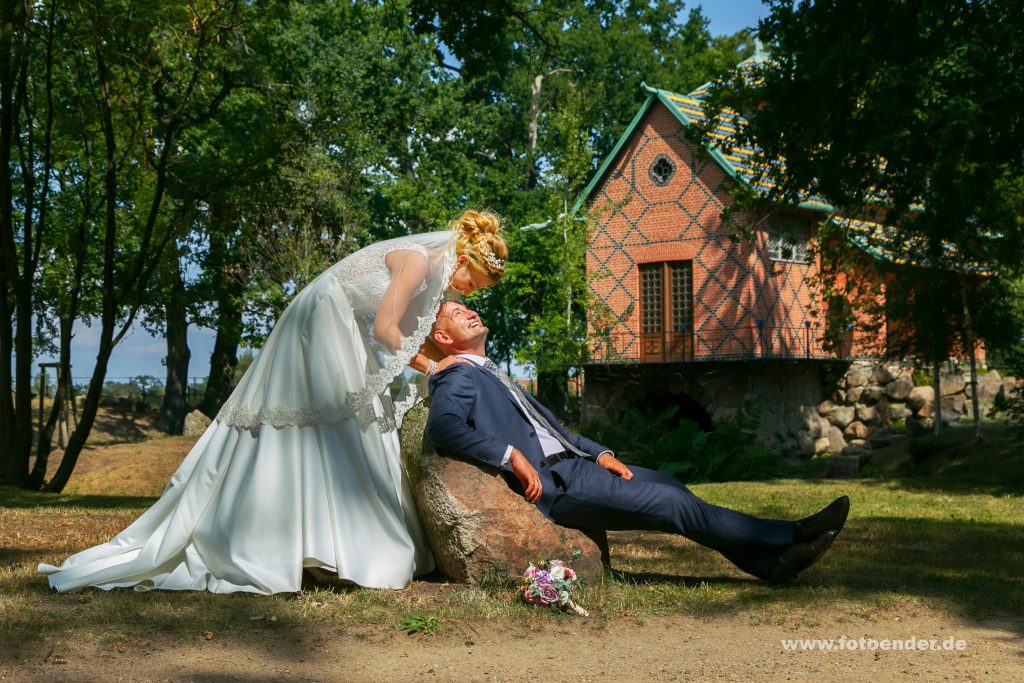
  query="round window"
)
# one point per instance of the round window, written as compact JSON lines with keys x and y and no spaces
{"x":661,"y":170}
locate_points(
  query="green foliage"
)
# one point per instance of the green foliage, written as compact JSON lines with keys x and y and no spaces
{"x":418,"y":623}
{"x":659,"y":440}
{"x":922,"y":377}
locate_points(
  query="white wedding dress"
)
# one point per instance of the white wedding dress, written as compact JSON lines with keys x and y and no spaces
{"x":302,"y":466}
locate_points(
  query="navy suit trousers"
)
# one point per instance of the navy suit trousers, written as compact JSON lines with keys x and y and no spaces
{"x":589,"y":496}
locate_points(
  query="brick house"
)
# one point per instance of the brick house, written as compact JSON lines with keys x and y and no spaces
{"x":701,"y":310}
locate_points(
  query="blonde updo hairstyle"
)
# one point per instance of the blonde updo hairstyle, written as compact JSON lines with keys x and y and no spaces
{"x":477,"y":236}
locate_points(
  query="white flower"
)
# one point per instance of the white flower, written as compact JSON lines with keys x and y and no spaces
{"x":563,"y":598}
{"x":557,"y":572}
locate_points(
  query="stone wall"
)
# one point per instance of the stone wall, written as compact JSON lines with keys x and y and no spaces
{"x":805,"y":409}
{"x":872,"y":402}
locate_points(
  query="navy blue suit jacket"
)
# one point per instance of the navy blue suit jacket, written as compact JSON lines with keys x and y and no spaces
{"x":473,"y":415}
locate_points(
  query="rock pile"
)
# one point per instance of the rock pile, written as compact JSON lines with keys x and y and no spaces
{"x":872,"y":403}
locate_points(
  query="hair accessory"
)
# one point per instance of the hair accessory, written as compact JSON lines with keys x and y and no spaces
{"x":489,"y":256}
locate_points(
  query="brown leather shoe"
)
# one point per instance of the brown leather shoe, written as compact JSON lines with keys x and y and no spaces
{"x":799,"y":557}
{"x":832,"y":517}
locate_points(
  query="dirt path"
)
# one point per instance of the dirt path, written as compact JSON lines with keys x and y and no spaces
{"x":721,"y":648}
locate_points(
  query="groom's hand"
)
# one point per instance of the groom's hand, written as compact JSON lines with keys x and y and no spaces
{"x":614,"y":465}
{"x":527,"y":476}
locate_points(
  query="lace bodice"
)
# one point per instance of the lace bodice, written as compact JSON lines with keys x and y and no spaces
{"x":365,"y":275}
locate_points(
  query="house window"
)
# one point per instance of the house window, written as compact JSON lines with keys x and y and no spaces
{"x":666,"y":310}
{"x":789,"y":244}
{"x":662,"y":170}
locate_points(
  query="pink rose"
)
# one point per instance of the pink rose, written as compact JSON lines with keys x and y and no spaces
{"x":531,"y":572}
{"x":529,"y":597}
{"x":548,"y":594}
{"x":570,"y":575}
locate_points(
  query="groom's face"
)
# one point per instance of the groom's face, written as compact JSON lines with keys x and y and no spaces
{"x":459,"y":329}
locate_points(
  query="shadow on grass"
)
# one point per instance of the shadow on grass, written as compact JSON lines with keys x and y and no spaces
{"x":688,"y":580}
{"x":21,"y":499}
{"x":967,"y":567}
{"x":123,"y":426}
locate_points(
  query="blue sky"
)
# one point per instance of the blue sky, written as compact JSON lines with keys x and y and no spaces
{"x":729,"y":16}
{"x":140,"y":354}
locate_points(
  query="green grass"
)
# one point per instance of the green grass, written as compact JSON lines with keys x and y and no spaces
{"x":944,"y":529}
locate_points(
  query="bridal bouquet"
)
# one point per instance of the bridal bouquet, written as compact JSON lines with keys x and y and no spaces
{"x":550,"y":583}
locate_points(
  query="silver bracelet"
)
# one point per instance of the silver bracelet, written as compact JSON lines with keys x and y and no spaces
{"x":431,"y":367}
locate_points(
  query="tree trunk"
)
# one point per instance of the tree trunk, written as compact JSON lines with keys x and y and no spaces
{"x":89,"y":408}
{"x":937,"y":388}
{"x":969,"y":347}
{"x":224,"y":358}
{"x":19,"y":447}
{"x":229,"y":287}
{"x":13,"y":461}
{"x":15,"y":282}
{"x":174,"y":405}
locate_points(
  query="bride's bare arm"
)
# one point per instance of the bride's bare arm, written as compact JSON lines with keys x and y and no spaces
{"x":408,"y":271}
{"x":428,"y":352}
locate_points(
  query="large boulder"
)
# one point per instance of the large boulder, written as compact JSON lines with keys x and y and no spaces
{"x":868,"y":414}
{"x":856,"y":430}
{"x":478,"y":528}
{"x":953,"y":404}
{"x":899,"y":411}
{"x":1010,"y":386}
{"x":836,"y":441}
{"x":857,"y":377}
{"x":805,"y":445}
{"x":843,"y":416}
{"x":883,"y":375}
{"x":872,"y":393}
{"x":920,"y":400}
{"x":196,"y":424}
{"x":989,"y":386}
{"x":951,"y":383}
{"x":899,"y":388}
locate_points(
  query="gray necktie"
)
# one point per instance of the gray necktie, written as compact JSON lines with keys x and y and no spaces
{"x":518,"y":392}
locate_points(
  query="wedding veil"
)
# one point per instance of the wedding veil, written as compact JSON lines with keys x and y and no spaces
{"x":322,"y":362}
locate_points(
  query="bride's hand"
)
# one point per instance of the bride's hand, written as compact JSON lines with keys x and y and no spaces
{"x":449,"y":361}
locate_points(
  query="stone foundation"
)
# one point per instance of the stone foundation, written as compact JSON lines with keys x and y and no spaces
{"x":805,"y":409}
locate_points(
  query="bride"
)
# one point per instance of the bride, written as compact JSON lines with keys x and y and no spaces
{"x":301,"y":467}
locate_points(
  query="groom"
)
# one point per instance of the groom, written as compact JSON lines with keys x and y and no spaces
{"x":478,"y":412}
